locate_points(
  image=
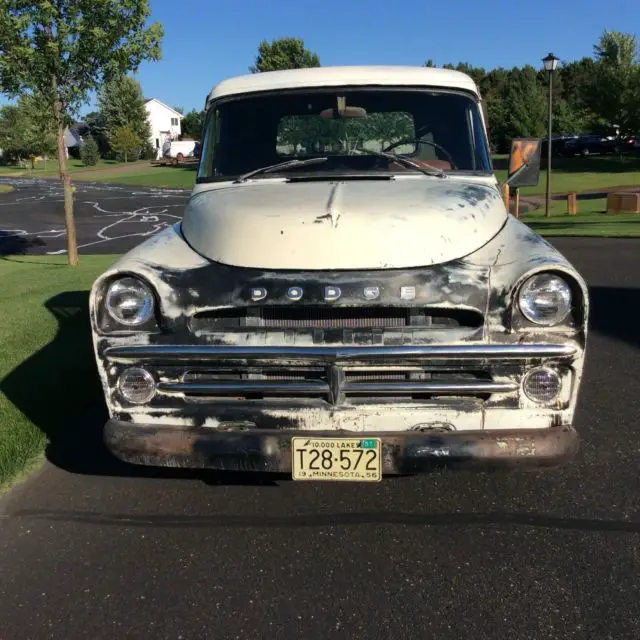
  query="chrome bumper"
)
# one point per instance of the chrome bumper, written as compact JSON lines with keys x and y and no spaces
{"x":262,"y":450}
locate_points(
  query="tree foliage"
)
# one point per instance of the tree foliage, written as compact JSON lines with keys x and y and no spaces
{"x":125,"y":142}
{"x":590,"y":94}
{"x":121,"y":104}
{"x":63,"y":49}
{"x":89,"y":152}
{"x":615,"y":90}
{"x":191,"y":124}
{"x":98,"y":131}
{"x":284,"y":53}
{"x":26,"y":131}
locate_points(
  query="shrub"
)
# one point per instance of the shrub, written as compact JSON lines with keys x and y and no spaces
{"x":89,"y":152}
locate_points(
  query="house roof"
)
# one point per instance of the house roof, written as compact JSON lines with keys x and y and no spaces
{"x":146,"y":100}
{"x":344,"y":75}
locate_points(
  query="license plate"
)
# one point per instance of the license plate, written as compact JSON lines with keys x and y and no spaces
{"x":345,"y":459}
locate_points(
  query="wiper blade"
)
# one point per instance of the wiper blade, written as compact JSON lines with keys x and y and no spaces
{"x":428,"y":171}
{"x":281,"y":165}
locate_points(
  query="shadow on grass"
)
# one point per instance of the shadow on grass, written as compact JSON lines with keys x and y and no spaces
{"x":17,"y":245}
{"x":57,"y":388}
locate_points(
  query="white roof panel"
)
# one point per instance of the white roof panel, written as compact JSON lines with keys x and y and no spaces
{"x":344,"y":75}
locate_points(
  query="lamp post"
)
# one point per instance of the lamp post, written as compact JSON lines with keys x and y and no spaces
{"x":550,"y":63}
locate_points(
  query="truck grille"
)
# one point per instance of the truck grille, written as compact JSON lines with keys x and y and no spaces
{"x":337,"y":385}
{"x":318,"y":317}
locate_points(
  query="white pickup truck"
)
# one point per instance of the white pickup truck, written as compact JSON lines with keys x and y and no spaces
{"x":346,"y":295}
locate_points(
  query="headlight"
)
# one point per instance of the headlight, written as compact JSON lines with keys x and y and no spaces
{"x":129,"y":301}
{"x":545,"y":299}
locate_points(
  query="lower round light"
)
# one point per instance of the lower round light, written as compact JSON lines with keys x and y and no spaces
{"x":136,"y":386}
{"x":542,"y":385}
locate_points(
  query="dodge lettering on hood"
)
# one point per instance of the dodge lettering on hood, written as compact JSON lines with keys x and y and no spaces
{"x":346,"y":295}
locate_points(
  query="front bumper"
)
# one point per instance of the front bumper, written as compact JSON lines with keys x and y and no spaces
{"x":404,"y":452}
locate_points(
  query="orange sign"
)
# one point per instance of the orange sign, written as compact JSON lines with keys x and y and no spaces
{"x":523,"y":151}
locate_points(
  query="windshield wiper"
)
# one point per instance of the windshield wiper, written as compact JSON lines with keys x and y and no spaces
{"x":428,"y":171}
{"x":281,"y":165}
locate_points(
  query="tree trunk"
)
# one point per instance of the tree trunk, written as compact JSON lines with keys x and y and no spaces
{"x":72,"y":245}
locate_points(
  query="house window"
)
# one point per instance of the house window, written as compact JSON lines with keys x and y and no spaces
{"x":174,"y":122}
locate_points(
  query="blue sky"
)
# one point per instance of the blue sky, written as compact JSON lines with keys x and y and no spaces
{"x":207,"y":40}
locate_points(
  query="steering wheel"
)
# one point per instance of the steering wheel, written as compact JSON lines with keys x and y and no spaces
{"x":435,"y":145}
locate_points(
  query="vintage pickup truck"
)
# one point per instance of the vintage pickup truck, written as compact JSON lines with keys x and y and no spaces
{"x":346,"y":296}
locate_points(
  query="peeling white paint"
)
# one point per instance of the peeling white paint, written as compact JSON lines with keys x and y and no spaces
{"x":383,"y":224}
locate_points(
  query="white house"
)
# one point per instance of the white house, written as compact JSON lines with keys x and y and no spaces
{"x":165,"y":123}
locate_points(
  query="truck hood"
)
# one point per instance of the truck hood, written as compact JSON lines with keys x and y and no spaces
{"x":352,"y":224}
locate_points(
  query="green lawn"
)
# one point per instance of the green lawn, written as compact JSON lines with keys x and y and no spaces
{"x":50,"y":168}
{"x":582,"y":174}
{"x":591,"y":220}
{"x":569,"y":174}
{"x":5,"y":188}
{"x":140,"y":173}
{"x":47,"y":371}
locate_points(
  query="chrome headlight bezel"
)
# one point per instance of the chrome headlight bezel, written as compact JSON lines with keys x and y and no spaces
{"x":134,"y":287}
{"x":551,"y":283}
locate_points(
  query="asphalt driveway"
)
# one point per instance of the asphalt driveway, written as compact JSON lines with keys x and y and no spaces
{"x":109,"y":218}
{"x":90,"y":548}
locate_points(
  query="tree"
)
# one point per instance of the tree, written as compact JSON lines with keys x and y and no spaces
{"x":525,"y":104}
{"x":191,"y":124}
{"x":98,"y":131}
{"x":614,"y":92}
{"x":121,"y":104}
{"x":25,"y":130}
{"x":89,"y":152}
{"x":180,"y":110}
{"x":62,"y":50}
{"x":125,"y":141}
{"x":284,"y":53}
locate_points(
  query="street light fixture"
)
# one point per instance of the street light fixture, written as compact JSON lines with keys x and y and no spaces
{"x":550,"y":64}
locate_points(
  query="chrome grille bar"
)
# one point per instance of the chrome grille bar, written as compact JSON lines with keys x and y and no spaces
{"x":211,"y":353}
{"x":246,"y":387}
{"x":459,"y":387}
{"x":320,"y":388}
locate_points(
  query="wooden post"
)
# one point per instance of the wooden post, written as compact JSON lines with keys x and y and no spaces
{"x":572,"y":204}
{"x":516,"y":204}
{"x":505,"y":195}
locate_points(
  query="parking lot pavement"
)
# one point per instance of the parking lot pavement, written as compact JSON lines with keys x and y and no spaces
{"x":109,"y":218}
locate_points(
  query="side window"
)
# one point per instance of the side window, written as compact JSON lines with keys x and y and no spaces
{"x":210,"y":141}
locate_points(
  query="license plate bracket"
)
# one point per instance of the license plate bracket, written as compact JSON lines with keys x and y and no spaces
{"x":336,"y":459}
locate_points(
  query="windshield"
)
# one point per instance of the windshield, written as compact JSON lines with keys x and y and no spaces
{"x":349,"y":127}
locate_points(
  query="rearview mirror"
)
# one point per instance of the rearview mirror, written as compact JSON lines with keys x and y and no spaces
{"x":346,"y":112}
{"x":524,"y":162}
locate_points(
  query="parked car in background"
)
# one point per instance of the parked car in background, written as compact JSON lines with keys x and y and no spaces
{"x":178,"y":150}
{"x":558,"y":144}
{"x":631,"y":142}
{"x":589,"y":143}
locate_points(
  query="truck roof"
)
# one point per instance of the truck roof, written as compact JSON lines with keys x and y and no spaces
{"x":392,"y":75}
